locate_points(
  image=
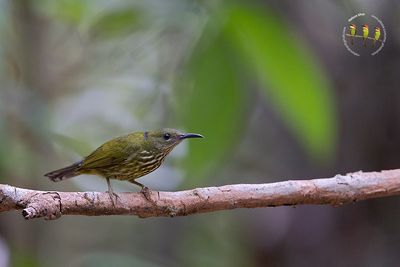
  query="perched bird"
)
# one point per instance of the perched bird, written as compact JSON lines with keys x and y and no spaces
{"x":365,"y":33}
{"x":126,"y":158}
{"x":377,"y":35}
{"x":353,"y":30}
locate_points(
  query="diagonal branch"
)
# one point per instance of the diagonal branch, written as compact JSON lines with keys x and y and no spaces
{"x":334,"y":191}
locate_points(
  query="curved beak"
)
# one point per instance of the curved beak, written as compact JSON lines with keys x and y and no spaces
{"x":190,"y":135}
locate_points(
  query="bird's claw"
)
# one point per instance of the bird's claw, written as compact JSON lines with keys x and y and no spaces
{"x":112,"y":195}
{"x":146,"y":193}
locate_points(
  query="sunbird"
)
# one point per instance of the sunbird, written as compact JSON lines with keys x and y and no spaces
{"x":126,"y":158}
{"x":353,"y":30}
{"x":377,"y":35}
{"x":365,"y":33}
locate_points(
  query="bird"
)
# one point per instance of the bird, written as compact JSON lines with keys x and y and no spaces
{"x":126,"y":157}
{"x":353,"y":30}
{"x":377,"y":35}
{"x":365,"y":33}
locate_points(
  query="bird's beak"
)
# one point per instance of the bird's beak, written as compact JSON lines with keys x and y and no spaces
{"x":190,"y":135}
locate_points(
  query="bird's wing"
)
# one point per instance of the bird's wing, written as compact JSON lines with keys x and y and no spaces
{"x":109,"y":154}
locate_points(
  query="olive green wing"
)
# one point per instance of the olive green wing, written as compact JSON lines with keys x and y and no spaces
{"x":109,"y":154}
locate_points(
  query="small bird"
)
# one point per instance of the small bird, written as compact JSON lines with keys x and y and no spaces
{"x":353,"y":30}
{"x":126,"y":158}
{"x":377,"y":35}
{"x":365,"y":33}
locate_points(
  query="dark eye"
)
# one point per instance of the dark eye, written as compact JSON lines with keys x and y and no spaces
{"x":167,"y":136}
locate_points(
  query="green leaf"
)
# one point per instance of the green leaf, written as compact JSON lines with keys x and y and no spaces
{"x":115,"y":23}
{"x":289,"y":76}
{"x":211,"y":105}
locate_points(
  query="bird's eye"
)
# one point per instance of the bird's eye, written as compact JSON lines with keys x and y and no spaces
{"x":167,"y":136}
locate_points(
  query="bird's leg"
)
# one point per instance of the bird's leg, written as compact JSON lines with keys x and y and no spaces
{"x":111,"y":192}
{"x":145,"y":190}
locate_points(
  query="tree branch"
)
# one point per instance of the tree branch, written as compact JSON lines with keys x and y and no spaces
{"x":360,"y":36}
{"x":334,"y":191}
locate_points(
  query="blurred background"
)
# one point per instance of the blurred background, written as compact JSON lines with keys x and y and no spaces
{"x":269,"y":83}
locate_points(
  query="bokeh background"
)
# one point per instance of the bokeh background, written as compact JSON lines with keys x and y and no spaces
{"x":269,"y":83}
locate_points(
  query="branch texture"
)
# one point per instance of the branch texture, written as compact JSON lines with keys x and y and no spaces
{"x":334,"y":191}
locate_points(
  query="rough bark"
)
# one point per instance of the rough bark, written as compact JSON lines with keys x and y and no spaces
{"x":333,"y":191}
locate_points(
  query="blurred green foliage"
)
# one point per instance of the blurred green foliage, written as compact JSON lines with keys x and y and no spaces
{"x":106,"y":259}
{"x":115,"y":23}
{"x":68,"y":11}
{"x":72,"y":144}
{"x":241,"y":43}
{"x":288,"y":74}
{"x":104,"y":68}
{"x":24,"y":259}
{"x":213,"y":104}
{"x":215,"y":244}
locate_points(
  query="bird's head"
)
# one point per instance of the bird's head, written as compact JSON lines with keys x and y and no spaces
{"x":167,"y":139}
{"x":352,"y":26}
{"x":365,"y":27}
{"x":377,"y":29}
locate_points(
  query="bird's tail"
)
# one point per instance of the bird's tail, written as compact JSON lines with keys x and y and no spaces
{"x":64,"y":173}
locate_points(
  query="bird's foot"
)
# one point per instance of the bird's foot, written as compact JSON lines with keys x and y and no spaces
{"x":112,"y":196}
{"x":147,"y":194}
